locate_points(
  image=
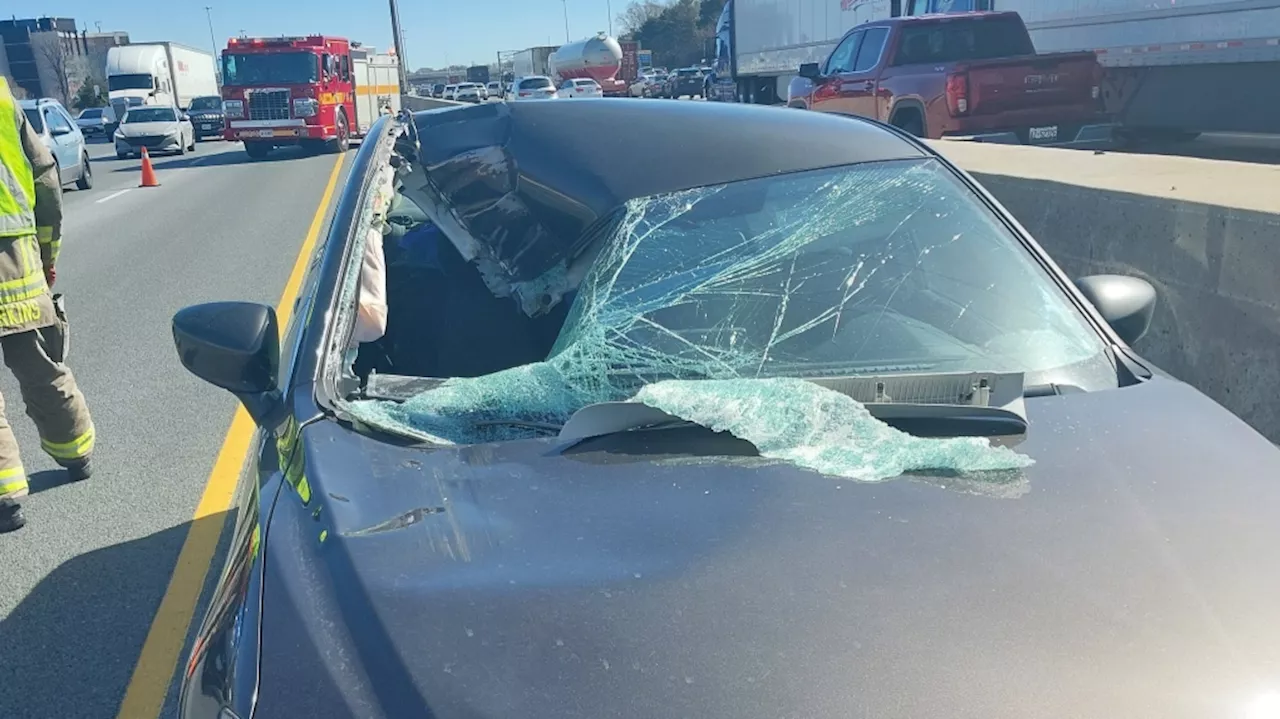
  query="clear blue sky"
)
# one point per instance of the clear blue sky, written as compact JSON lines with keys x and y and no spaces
{"x":435,"y":31}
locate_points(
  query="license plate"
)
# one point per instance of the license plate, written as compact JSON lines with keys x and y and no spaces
{"x":1044,"y":134}
{"x":266,"y":133}
{"x":206,"y":126}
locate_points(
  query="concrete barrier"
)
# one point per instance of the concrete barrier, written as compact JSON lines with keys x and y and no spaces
{"x":414,"y":103}
{"x":1206,"y":233}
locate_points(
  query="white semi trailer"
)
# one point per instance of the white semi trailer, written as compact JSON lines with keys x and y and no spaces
{"x":159,"y":73}
{"x":1173,"y":69}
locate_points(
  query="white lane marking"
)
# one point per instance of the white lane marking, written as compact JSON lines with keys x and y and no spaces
{"x":112,"y":196}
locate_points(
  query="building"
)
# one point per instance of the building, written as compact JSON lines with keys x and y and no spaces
{"x":48,"y":57}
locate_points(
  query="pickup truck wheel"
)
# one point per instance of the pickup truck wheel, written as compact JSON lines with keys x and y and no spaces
{"x":909,"y":123}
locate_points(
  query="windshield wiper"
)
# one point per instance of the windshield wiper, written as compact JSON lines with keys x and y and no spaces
{"x":920,"y":420}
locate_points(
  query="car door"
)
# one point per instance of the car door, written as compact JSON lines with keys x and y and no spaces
{"x":826,"y":96}
{"x":858,"y":86}
{"x":66,"y":148}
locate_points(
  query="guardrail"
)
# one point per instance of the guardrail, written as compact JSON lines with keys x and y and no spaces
{"x":416,"y":103}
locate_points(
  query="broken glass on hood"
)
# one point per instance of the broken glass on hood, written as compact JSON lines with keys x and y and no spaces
{"x":715,"y":303}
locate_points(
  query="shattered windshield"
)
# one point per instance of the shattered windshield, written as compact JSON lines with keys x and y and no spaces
{"x":873,"y":269}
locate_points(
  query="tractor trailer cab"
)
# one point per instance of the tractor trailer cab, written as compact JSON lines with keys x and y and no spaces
{"x":313,"y":91}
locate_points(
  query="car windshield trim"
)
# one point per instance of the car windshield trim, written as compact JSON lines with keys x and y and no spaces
{"x":148,"y":114}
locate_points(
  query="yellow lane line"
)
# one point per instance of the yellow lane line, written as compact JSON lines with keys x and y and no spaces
{"x":149,"y":684}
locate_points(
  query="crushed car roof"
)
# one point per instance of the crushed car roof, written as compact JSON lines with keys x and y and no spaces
{"x":524,"y":184}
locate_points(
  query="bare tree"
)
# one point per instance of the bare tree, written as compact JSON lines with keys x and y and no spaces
{"x":55,"y":56}
{"x":638,"y":13}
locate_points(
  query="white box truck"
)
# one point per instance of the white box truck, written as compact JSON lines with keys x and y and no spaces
{"x":533,"y":61}
{"x":159,"y":73}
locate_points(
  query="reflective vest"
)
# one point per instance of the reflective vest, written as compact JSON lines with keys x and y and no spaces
{"x":25,"y":303}
{"x":17,"y":186}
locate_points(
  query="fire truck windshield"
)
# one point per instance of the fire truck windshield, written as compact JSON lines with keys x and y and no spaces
{"x":285,"y":68}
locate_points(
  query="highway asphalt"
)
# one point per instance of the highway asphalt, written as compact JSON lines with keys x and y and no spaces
{"x":80,"y":584}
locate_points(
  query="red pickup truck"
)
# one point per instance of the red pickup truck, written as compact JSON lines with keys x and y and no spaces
{"x":965,"y":76}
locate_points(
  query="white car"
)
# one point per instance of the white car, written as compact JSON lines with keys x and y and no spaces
{"x":470,"y":92}
{"x":580,"y":87}
{"x":450,"y":91}
{"x":157,"y":128}
{"x":494,"y":89}
{"x":533,"y":87}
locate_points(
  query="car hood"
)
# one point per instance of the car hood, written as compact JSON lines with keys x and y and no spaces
{"x":136,"y":129}
{"x":1131,"y":571}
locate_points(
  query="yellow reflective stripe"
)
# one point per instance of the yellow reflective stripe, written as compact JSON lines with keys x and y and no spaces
{"x":8,"y":483}
{"x":45,"y":237}
{"x":77,"y":448}
{"x":17,"y":184}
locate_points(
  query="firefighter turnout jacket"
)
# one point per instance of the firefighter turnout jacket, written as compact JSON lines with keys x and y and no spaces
{"x":32,"y":332}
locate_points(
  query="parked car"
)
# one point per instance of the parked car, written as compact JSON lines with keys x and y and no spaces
{"x":61,"y":134}
{"x":96,"y":122}
{"x":207,"y":117}
{"x":157,"y":128}
{"x":964,"y":76}
{"x":720,"y":429}
{"x":579,"y":87}
{"x":533,"y":87}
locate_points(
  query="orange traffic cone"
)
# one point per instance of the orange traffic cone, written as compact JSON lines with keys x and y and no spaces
{"x":148,"y":172}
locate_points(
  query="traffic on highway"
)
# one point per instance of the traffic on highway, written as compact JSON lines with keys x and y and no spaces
{"x":687,"y":371}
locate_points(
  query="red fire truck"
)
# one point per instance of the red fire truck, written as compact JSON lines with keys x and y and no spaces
{"x":312,"y":91}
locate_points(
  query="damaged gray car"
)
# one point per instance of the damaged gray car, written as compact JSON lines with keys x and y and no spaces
{"x":785,"y":420}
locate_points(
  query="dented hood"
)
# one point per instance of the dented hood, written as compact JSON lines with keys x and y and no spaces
{"x":1131,"y":572}
{"x":520,"y":187}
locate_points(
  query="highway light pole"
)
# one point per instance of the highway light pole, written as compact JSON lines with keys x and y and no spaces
{"x":213,"y":40}
{"x":399,"y":43}
{"x":608,"y":7}
{"x":565,"y":3}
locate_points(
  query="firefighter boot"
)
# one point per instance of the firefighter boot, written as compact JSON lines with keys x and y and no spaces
{"x":78,"y":470}
{"x":11,"y":518}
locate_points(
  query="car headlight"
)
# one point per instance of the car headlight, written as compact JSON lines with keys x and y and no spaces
{"x":305,"y":107}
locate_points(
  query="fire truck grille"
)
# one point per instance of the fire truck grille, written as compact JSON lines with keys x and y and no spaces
{"x":269,"y":105}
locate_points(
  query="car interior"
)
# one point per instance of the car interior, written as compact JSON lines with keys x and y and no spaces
{"x":442,"y":320}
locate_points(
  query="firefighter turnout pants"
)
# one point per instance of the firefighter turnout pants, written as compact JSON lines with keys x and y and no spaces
{"x":53,"y":401}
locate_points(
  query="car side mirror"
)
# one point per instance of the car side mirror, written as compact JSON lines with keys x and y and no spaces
{"x":59,"y":131}
{"x":810,"y":71}
{"x":1126,"y":303}
{"x":235,"y":346}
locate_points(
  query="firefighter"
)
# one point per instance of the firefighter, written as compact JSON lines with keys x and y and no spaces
{"x":32,"y":327}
